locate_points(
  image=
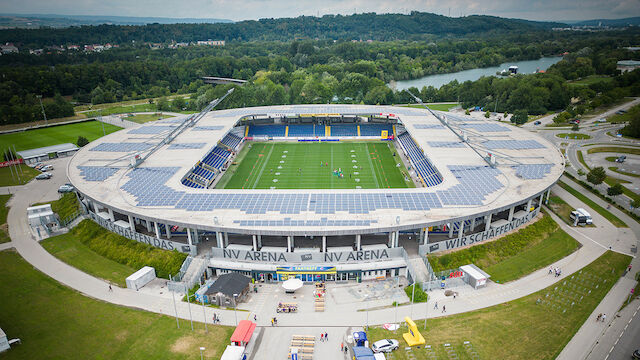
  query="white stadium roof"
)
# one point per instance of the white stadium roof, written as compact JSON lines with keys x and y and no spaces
{"x":101,"y":171}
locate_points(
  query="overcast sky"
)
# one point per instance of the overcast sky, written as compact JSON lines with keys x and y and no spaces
{"x":254,"y":9}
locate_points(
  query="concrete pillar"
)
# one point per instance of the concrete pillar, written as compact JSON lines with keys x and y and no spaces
{"x":390,"y":239}
{"x":548,"y":194}
{"x":219,"y":239}
{"x":132,"y":224}
{"x":358,"y":241}
{"x":168,"y":230}
{"x":111,"y":214}
{"x":541,"y":200}
{"x":259,"y":241}
{"x":255,"y":243}
{"x":196,"y":237}
{"x":226,"y":239}
{"x":288,"y":243}
{"x":155,"y":225}
{"x":529,"y":206}
{"x":421,"y":237}
{"x":189,"y":236}
{"x":450,"y":230}
{"x":511,"y":214}
{"x":324,"y":243}
{"x":461,"y":229}
{"x":148,"y":225}
{"x":426,"y":236}
{"x":473,"y":225}
{"x":396,"y":238}
{"x":487,"y":220}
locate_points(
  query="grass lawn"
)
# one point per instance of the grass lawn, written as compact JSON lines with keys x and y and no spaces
{"x":65,"y":206}
{"x":599,"y":209}
{"x":615,"y":149}
{"x":574,"y":136}
{"x":520,"y":329}
{"x":69,"y":249}
{"x":616,"y":169}
{"x":55,"y":322}
{"x":581,"y":159}
{"x":122,"y":109}
{"x":4,"y":211}
{"x":367,"y":165}
{"x":9,"y":179}
{"x":515,"y":255}
{"x":53,"y":135}
{"x":560,"y":208}
{"x":143,"y":118}
{"x":438,"y":107}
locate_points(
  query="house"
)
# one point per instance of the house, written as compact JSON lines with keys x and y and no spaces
{"x":228,"y":290}
{"x":627,"y":65}
{"x":73,"y":47}
{"x":8,"y":48}
{"x":211,"y":42}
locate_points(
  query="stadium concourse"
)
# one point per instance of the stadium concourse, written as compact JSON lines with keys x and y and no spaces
{"x":468,"y":180}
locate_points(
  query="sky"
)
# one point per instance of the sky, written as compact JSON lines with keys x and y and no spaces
{"x":545,"y":10}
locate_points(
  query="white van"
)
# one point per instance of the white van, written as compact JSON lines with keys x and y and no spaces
{"x":581,"y":217}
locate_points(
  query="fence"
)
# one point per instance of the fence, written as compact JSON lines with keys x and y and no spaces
{"x":190,"y":273}
{"x":453,"y":278}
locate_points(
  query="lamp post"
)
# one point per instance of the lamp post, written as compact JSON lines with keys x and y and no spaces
{"x":189,"y":305}
{"x":366,"y":304}
{"x":42,"y":107}
{"x":202,"y":352}
{"x":235,"y":307}
{"x":204,"y":314}
{"x":426,"y":311}
{"x":175,"y":308}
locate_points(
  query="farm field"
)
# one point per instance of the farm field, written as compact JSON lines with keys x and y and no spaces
{"x":318,"y":165}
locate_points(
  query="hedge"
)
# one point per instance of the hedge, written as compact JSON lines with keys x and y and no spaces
{"x":128,"y":252}
{"x":493,"y":252}
{"x":419,"y":296}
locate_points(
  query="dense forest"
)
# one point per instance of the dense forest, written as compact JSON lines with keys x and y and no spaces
{"x":366,"y":26}
{"x":320,"y":71}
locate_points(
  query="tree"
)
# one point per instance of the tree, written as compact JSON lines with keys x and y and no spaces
{"x":466,"y":112}
{"x":520,"y":117}
{"x":82,"y":141}
{"x":487,"y":114}
{"x":635,"y":203}
{"x":575,"y":127}
{"x":614,"y":190}
{"x":596,"y":175}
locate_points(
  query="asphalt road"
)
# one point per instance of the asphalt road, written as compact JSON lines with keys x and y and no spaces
{"x":630,"y":338}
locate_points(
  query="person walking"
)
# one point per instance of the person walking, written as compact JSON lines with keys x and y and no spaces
{"x":110,"y":288}
{"x":271,"y":321}
{"x":341,"y":346}
{"x":435,"y":306}
{"x":326,"y":336}
{"x":444,"y":308}
{"x":255,"y":317}
{"x":321,"y":337}
{"x":604,"y":317}
{"x":599,"y":317}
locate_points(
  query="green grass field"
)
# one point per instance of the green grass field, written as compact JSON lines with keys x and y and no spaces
{"x":438,"y":107}
{"x":53,"y":135}
{"x":55,"y":322}
{"x":143,"y":118}
{"x":622,"y":172}
{"x":4,"y":211}
{"x":519,"y":329}
{"x":9,"y":178}
{"x":574,"y":136}
{"x":367,"y":165}
{"x":599,"y":209}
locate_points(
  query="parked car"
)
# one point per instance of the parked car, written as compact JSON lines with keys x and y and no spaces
{"x":35,"y":165}
{"x":386,"y":345}
{"x":574,"y":121}
{"x":44,"y":176}
{"x":39,"y":166}
{"x":46,"y":168}
{"x":602,"y":120}
{"x":621,"y":158}
{"x":636,"y":354}
{"x":65,"y":189}
{"x":537,"y":122}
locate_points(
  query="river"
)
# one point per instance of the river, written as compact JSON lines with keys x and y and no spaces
{"x":524,"y":67}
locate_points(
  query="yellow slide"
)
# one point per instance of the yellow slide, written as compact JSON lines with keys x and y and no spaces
{"x":413,"y":337}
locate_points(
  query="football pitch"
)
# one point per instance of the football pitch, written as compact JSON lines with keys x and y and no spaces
{"x":317,"y":165}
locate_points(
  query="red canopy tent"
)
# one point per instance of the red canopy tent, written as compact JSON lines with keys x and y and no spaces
{"x":243,"y":333}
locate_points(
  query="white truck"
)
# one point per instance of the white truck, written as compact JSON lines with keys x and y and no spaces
{"x":581,"y":217}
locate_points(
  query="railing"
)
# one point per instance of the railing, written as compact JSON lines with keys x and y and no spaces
{"x":71,"y":218}
{"x":181,"y":281}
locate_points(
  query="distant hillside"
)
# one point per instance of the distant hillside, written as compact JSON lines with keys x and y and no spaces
{"x":34,"y":21}
{"x":358,"y":27}
{"x":610,"y":22}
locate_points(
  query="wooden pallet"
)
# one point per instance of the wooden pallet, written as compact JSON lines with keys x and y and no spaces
{"x":305,"y":345}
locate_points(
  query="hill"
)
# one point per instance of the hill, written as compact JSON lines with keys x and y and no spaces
{"x":34,"y":21}
{"x":416,"y":25}
{"x":635,"y":21}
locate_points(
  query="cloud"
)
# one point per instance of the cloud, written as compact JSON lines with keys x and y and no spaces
{"x":551,"y":10}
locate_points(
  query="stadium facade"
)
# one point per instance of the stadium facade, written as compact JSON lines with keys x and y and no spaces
{"x":156,"y":183}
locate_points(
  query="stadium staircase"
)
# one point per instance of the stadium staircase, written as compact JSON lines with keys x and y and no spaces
{"x":190,"y":273}
{"x":419,"y":271}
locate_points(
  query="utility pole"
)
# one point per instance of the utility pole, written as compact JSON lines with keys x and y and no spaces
{"x":46,"y":122}
{"x":100,"y":118}
{"x":15,"y":152}
{"x":6,"y":157}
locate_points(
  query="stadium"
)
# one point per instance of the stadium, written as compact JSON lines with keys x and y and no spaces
{"x":320,"y":192}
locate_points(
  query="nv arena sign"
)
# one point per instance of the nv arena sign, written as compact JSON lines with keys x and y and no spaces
{"x":481,"y":236}
{"x":316,"y":257}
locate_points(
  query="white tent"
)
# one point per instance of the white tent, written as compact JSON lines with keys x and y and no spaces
{"x":292,"y":285}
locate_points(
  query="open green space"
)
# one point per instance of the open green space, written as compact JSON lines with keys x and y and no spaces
{"x":72,"y":251}
{"x":514,"y":255}
{"x":561,"y":208}
{"x":622,"y":172}
{"x":120,"y":250}
{"x":317,"y":165}
{"x":8,"y":176}
{"x":122,"y":109}
{"x":590,"y":203}
{"x":53,"y":135}
{"x":574,"y":136}
{"x":438,"y":107}
{"x":55,"y":322}
{"x":66,"y":206}
{"x":4,"y":211}
{"x":521,"y":329}
{"x":615,"y":149}
{"x":143,"y":118}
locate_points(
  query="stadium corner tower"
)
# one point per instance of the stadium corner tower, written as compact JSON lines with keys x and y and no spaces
{"x":214,"y":183}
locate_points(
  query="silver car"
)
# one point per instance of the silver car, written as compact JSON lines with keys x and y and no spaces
{"x":386,"y":345}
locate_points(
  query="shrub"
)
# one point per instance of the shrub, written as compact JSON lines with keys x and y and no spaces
{"x":596,"y":175}
{"x":419,"y":295}
{"x":614,"y":190}
{"x":520,"y":117}
{"x":82,"y":141}
{"x":128,"y":252}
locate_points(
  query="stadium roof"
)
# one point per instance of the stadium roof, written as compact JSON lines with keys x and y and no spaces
{"x":527,"y":166}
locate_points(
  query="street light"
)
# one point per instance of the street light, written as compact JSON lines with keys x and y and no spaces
{"x":189,"y":305}
{"x":202,"y":352}
{"x":366,"y":299}
{"x":235,"y":307}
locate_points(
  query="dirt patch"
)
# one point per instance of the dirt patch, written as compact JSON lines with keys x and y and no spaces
{"x":184,"y":345}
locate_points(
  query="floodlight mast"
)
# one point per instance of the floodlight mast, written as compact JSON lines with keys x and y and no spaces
{"x":461,"y":136}
{"x":188,"y":122}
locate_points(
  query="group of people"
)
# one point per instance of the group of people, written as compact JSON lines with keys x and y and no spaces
{"x":601,"y":317}
{"x":216,"y":318}
{"x":274,"y":321}
{"x":324,"y":337}
{"x":555,"y":271}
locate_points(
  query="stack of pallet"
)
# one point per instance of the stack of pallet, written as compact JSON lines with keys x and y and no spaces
{"x":319,"y":295}
{"x":303,"y":345}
